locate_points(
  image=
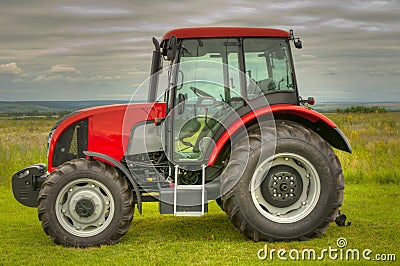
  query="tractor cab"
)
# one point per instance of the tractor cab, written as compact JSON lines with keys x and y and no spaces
{"x":214,"y":74}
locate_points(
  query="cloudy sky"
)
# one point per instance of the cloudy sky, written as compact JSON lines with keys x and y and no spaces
{"x":94,"y":49}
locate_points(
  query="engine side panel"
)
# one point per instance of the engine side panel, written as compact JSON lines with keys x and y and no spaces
{"x":145,"y":138}
{"x":109,"y":127}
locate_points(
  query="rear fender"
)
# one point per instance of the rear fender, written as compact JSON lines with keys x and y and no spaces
{"x":306,"y":117}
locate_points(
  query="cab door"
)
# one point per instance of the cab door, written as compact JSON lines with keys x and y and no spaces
{"x":208,"y":77}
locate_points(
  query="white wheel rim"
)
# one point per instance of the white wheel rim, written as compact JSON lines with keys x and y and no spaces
{"x":306,"y":201}
{"x":84,"y":223}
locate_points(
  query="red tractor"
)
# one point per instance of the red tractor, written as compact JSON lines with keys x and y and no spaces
{"x":227,"y":125}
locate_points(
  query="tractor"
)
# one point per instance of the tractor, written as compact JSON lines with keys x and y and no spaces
{"x":223,"y":121}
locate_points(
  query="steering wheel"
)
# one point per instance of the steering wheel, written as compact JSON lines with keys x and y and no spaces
{"x":200,"y":92}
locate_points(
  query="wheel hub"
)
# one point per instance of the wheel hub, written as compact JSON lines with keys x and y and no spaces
{"x":85,"y":207}
{"x":282,"y":186}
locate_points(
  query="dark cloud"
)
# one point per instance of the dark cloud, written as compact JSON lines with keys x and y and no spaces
{"x":97,"y":49}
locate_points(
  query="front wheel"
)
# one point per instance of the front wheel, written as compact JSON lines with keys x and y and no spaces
{"x":290,"y":193}
{"x":85,"y":203}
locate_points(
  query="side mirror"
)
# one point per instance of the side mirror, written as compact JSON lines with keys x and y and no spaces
{"x":296,"y":41}
{"x":171,"y":48}
{"x":298,"y":44}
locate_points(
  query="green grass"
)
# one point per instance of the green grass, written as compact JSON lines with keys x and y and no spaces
{"x":154,"y":239}
{"x":372,"y":197}
{"x":22,"y":143}
{"x":375,"y":139}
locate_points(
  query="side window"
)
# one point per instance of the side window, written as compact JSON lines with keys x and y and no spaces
{"x":281,"y":70}
{"x":267,"y":66}
{"x":257,"y":74}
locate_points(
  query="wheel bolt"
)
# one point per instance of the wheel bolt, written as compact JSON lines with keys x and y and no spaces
{"x":291,"y":190}
{"x":279,"y":195}
{"x":274,"y":194}
{"x":275,"y":178}
{"x":274,"y":189}
{"x":291,"y":182}
{"x":63,"y":211}
{"x":291,"y":178}
{"x":291,"y":194}
{"x":304,"y":203}
{"x":286,"y":159}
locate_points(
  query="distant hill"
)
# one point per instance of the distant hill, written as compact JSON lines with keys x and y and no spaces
{"x":51,"y":106}
{"x":21,"y":107}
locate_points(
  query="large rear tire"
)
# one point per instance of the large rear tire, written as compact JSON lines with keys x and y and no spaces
{"x":290,"y":193}
{"x":85,"y":203}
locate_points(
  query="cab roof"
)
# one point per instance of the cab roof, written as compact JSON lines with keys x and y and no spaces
{"x":213,"y":32}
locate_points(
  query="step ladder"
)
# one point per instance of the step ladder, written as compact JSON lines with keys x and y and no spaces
{"x":190,"y":200}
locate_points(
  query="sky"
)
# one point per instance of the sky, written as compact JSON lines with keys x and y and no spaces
{"x":101,"y":50}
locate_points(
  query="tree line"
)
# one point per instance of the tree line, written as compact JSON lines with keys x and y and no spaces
{"x":362,"y":109}
{"x":34,"y":114}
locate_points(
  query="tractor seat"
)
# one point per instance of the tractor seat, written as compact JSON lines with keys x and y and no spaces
{"x":189,"y":129}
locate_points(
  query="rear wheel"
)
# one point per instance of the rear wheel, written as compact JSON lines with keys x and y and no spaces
{"x":85,"y":203}
{"x":290,"y":193}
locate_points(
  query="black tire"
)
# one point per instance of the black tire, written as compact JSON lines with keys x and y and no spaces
{"x":263,"y":213}
{"x":84,"y":204}
{"x":219,"y":202}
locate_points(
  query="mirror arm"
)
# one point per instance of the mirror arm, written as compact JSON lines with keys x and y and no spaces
{"x":155,"y":68}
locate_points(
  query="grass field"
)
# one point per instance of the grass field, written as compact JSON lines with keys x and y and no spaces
{"x":375,"y":139}
{"x":372,"y":197}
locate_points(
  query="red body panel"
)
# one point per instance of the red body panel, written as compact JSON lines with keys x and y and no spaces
{"x":109,"y":127}
{"x":281,"y":108}
{"x":210,"y":32}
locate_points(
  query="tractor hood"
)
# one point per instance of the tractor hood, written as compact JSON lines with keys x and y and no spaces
{"x":104,"y":129}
